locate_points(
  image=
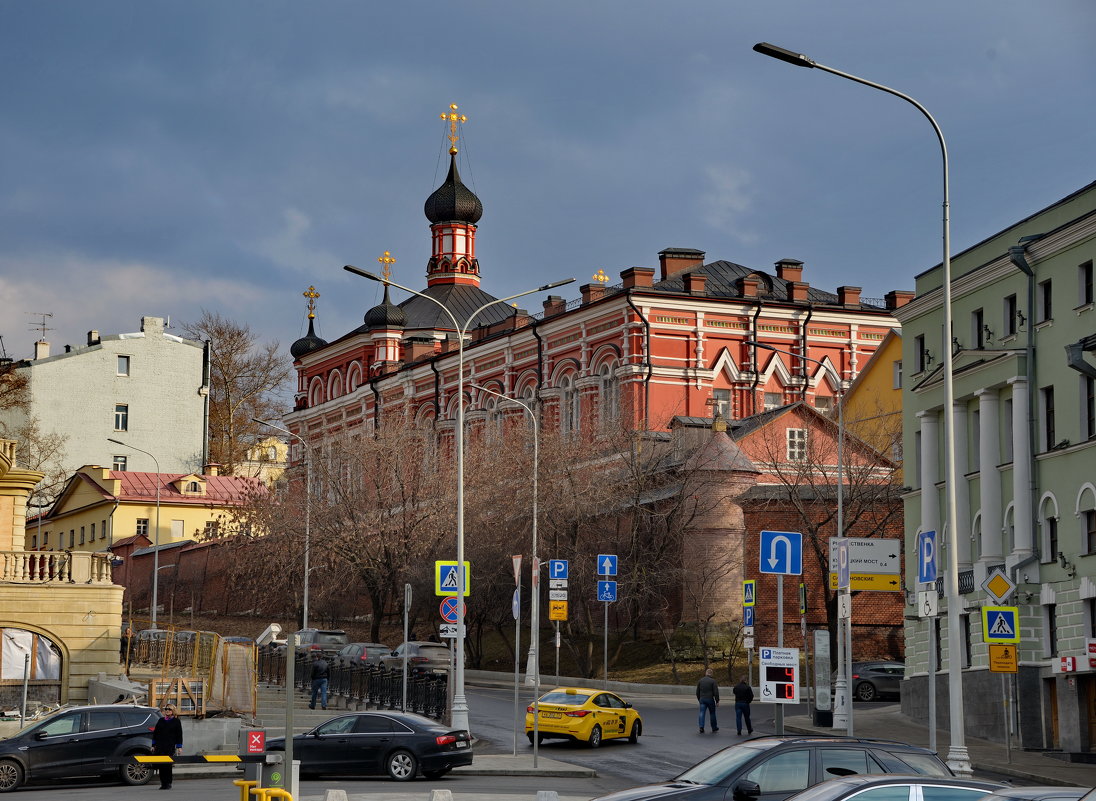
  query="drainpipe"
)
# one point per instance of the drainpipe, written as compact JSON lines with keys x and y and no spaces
{"x":437,"y":389}
{"x":803,"y":352}
{"x":647,"y":361}
{"x":376,"y":407}
{"x":540,"y":357}
{"x":756,"y":366}
{"x":1018,"y":258}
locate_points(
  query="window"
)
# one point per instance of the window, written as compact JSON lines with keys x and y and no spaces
{"x":1088,"y":518}
{"x":609,"y":389}
{"x":45,"y":539}
{"x":92,"y":532}
{"x":1051,"y":524}
{"x":568,"y":406}
{"x":797,"y":444}
{"x":934,"y":793}
{"x":1090,"y":618}
{"x":81,"y":535}
{"x":1050,"y":438}
{"x":121,"y":417}
{"x":1050,"y":629}
{"x":823,"y":404}
{"x":142,"y":526}
{"x":211,"y":528}
{"x":1088,"y":407}
{"x":1084,"y":283}
{"x":920,"y":355}
{"x":72,"y":538}
{"x":34,"y":541}
{"x":844,"y":761}
{"x":120,"y":463}
{"x":1008,"y":324}
{"x":784,"y":773}
{"x":977,"y":330}
{"x":194,"y":486}
{"x":721,"y":403}
{"x":123,"y":365}
{"x":897,"y":372}
{"x":103,"y":531}
{"x":1044,"y":298}
{"x":974,"y":458}
{"x":773,"y":400}
{"x":1006,"y":442}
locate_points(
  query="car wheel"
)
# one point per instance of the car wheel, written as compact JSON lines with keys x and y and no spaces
{"x":865,"y":691}
{"x":435,"y":774}
{"x":135,"y":773}
{"x":637,"y":729}
{"x":11,"y":775}
{"x":401,"y":766}
{"x":595,"y":737}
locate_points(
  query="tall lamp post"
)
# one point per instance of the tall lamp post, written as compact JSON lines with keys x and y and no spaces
{"x":958,"y":756}
{"x":459,"y":716}
{"x":534,"y":615}
{"x":156,"y":534}
{"x":842,"y":708}
{"x":307,"y":507}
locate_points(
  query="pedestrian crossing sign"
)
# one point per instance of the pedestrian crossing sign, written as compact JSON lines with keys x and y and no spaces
{"x":1000,"y":624}
{"x":447,"y":578}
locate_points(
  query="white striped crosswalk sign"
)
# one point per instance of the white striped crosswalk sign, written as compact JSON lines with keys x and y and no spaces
{"x":1000,"y":624}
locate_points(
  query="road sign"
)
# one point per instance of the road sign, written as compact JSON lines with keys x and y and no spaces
{"x":557,"y":584}
{"x":557,"y":595}
{"x":877,"y":582}
{"x":1000,"y":624}
{"x":749,"y":592}
{"x":869,"y":555}
{"x":802,"y":598}
{"x":748,"y":616}
{"x":606,"y":564}
{"x":448,"y":630}
{"x":446,"y":578}
{"x":782,"y":552}
{"x":998,"y":586}
{"x":1002,"y":659}
{"x":607,"y":591}
{"x":926,"y":557}
{"x":928,"y":603}
{"x":841,"y":545}
{"x":557,"y":568}
{"x":517,"y":568}
{"x":557,"y":610}
{"x":748,"y":643}
{"x":450,"y":609}
{"x":779,"y":675}
{"x":256,"y":742}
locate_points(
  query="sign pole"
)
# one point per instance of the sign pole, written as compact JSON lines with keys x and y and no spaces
{"x":605,"y":646}
{"x":517,"y":645}
{"x":780,"y":642}
{"x":1008,"y":723}
{"x":406,"y":611}
{"x":557,"y":653}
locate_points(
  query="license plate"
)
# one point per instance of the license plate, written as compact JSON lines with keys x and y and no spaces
{"x":461,"y":744}
{"x":550,"y":715}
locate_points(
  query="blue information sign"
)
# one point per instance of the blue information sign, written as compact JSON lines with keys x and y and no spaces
{"x":606,"y":590}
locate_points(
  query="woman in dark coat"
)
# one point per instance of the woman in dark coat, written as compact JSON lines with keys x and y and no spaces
{"x":167,"y":740}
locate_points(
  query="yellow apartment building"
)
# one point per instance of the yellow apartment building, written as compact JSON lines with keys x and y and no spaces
{"x":873,"y":403}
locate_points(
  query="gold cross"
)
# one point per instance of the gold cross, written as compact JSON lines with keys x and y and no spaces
{"x":387,"y":259}
{"x":311,"y":294}
{"x":453,"y":118}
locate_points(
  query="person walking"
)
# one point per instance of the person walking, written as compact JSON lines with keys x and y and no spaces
{"x":319,"y":680}
{"x":707,"y":693}
{"x":743,"y":695}
{"x":167,"y":740}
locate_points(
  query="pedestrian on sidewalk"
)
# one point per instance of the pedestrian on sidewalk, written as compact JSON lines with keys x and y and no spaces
{"x":319,"y":680}
{"x":743,"y":695}
{"x":167,"y":740}
{"x":707,"y":694}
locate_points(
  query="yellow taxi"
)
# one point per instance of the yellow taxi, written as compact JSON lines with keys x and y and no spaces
{"x":583,"y":715}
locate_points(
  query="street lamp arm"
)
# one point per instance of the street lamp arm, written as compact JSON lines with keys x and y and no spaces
{"x":779,"y":53}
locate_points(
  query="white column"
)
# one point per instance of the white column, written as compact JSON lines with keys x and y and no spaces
{"x":1021,"y":468}
{"x":930,"y":471}
{"x":962,"y":490}
{"x":989,"y":480}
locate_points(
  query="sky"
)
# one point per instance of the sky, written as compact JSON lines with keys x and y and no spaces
{"x":161,"y":158}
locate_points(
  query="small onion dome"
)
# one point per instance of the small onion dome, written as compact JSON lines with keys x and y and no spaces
{"x":453,"y":201}
{"x":308,"y":343}
{"x":386,"y":315}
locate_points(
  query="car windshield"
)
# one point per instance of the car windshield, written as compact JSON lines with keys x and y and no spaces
{"x":721,"y":764}
{"x":573,"y":699}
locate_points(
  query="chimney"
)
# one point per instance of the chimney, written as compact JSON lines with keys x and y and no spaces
{"x":211,"y":469}
{"x":751,"y":286}
{"x":694,"y":283}
{"x":789,"y":270}
{"x":591,"y":292}
{"x":93,"y":337}
{"x":674,"y":260}
{"x":638,"y":277}
{"x":421,"y":348}
{"x":798,"y":291}
{"x":848,"y":295}
{"x":152,"y":325}
{"x":41,"y":349}
{"x":897,"y":298}
{"x":553,"y":305}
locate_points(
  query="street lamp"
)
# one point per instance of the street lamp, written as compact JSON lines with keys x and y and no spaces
{"x":534,"y":615}
{"x":307,"y":507}
{"x":459,"y":716}
{"x":156,"y":534}
{"x":958,"y":756}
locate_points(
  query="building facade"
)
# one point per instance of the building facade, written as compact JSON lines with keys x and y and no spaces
{"x":1025,"y":446}
{"x":147,"y":389}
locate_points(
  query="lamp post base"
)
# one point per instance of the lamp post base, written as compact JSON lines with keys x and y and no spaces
{"x":841,"y":703}
{"x":959,"y":761}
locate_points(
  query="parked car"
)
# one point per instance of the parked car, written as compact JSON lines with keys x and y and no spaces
{"x":582,"y":715}
{"x":80,"y":741}
{"x":776,"y":768}
{"x":327,"y":641}
{"x":396,"y":744}
{"x":422,"y":657}
{"x":1041,"y":794}
{"x":874,"y":680}
{"x":923,"y":788}
{"x":362,"y":653}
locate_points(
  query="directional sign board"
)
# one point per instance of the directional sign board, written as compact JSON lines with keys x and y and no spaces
{"x":607,"y":591}
{"x":782,"y":552}
{"x":446,"y":578}
{"x":749,"y":592}
{"x":606,"y":564}
{"x":1000,"y":624}
{"x":879,"y":582}
{"x":866,"y":555}
{"x":926,"y":557}
{"x":779,"y":675}
{"x":557,"y":569}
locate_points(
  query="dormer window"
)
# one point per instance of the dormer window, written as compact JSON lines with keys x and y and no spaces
{"x":194,"y":487}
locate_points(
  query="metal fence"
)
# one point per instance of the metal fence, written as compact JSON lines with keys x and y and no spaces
{"x":363,"y":686}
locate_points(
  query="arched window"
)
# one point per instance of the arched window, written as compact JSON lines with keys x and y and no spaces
{"x":609,"y":400}
{"x":568,"y":406}
{"x":315,"y":392}
{"x":1048,"y":528}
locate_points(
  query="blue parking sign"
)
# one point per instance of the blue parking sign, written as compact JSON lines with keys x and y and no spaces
{"x":926,"y":557}
{"x":557,"y":568}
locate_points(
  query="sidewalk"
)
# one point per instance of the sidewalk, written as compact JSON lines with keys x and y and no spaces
{"x":890,"y":724}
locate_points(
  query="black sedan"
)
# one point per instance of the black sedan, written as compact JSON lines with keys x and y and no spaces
{"x":898,"y":788}
{"x":396,"y":744}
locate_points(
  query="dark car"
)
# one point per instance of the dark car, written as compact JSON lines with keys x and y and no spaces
{"x":775,"y":768}
{"x":362,"y":653}
{"x":396,"y":744}
{"x":326,"y":641}
{"x":873,"y":680}
{"x":80,"y":741}
{"x":422,"y":657}
{"x":1041,"y":794}
{"x":924,"y":788}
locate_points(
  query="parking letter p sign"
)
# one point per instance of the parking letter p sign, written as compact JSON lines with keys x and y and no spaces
{"x":926,"y":557}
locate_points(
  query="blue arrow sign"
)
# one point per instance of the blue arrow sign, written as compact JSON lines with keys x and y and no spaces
{"x":557,"y":568}
{"x":606,"y":564}
{"x":606,"y":590}
{"x":926,"y":557}
{"x":782,"y":552}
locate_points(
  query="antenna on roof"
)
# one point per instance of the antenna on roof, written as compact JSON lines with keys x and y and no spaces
{"x":42,"y":325}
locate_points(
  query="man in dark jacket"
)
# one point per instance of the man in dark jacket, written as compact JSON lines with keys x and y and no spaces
{"x":319,"y":680}
{"x":707,"y":693}
{"x":743,"y":695}
{"x":167,"y":740}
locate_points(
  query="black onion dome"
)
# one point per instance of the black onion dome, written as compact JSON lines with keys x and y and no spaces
{"x":308,"y":343}
{"x":386,"y":315}
{"x":453,"y":201}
